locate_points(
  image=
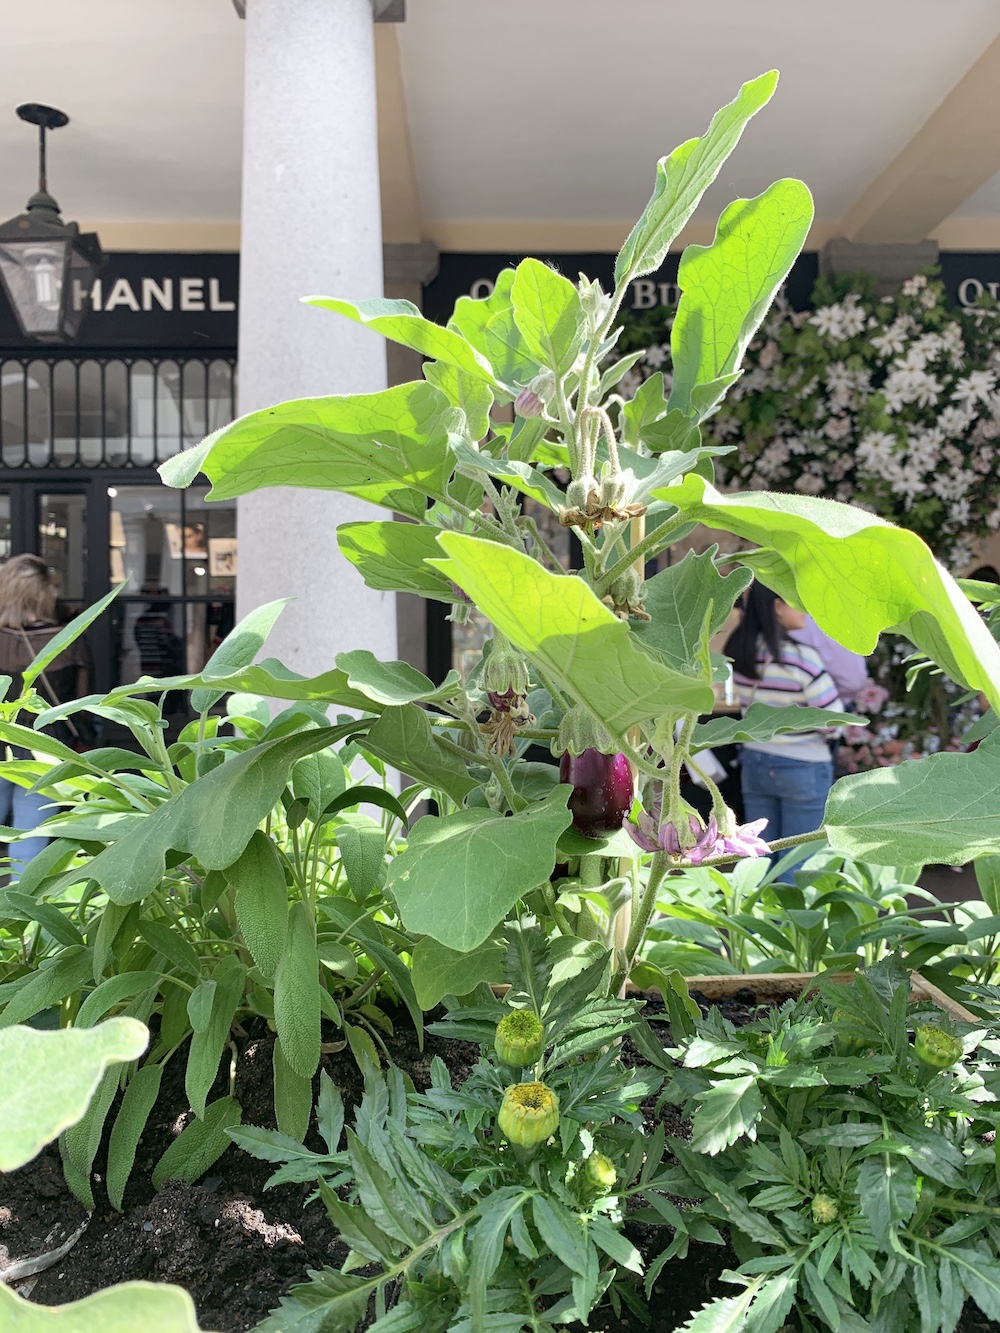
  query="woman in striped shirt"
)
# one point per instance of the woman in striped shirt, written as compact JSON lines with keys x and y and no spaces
{"x":785,"y":780}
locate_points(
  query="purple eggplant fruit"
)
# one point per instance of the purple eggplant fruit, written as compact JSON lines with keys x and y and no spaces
{"x":602,"y":790}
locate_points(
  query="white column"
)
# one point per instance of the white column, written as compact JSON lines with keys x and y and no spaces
{"x":310,"y":226}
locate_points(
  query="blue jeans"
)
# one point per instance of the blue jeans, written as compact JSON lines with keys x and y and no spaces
{"x":789,"y":793}
{"x":22,"y":809}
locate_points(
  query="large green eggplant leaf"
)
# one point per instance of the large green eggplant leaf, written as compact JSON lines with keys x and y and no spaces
{"x":393,"y":682}
{"x":439,"y":971}
{"x":522,"y":476}
{"x":237,"y":650}
{"x":575,"y":639}
{"x":728,"y":286}
{"x":663,"y":468}
{"x":212,"y":819}
{"x":473,"y":395}
{"x":50,"y":1077}
{"x":390,"y":557}
{"x":390,"y":448}
{"x":761,"y":722}
{"x":648,"y":405}
{"x":490,"y":327}
{"x":679,"y":598}
{"x":683,"y":177}
{"x":944,"y":809}
{"x":461,"y":874}
{"x":130,"y":1307}
{"x":403,"y":737}
{"x":854,"y":573}
{"x":549,"y":314}
{"x":402,"y":322}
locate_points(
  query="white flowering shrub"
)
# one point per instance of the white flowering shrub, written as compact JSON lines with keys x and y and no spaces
{"x":890,"y":403}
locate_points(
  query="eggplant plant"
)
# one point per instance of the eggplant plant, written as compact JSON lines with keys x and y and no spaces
{"x":599,"y":659}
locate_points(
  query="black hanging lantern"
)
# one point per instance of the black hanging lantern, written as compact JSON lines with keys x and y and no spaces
{"x":47,"y":267}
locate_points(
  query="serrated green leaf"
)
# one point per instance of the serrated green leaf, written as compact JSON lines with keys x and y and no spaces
{"x":887,"y":1193}
{"x":726,"y":1112}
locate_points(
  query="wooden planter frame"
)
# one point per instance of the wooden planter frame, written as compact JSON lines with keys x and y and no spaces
{"x":772,"y":985}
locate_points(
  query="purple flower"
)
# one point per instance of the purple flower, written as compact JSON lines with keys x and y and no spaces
{"x":745,"y":840}
{"x":649,"y":834}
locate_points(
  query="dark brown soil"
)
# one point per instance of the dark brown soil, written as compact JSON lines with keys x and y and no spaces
{"x":237,"y":1248}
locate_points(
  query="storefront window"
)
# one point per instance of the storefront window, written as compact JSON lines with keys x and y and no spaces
{"x":110,"y":411}
{"x":177,"y":554}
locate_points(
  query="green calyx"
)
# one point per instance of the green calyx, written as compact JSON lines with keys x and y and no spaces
{"x":824,"y":1209}
{"x":936,"y":1047}
{"x":601,"y":1173}
{"x":504,"y":671}
{"x":520,"y":1039}
{"x":529,"y":1114}
{"x":579,"y":731}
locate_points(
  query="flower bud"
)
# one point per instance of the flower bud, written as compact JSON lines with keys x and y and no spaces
{"x":520,"y":1038}
{"x":936,"y":1047}
{"x":528,"y":404}
{"x":601,"y":1173}
{"x":824,"y":1209}
{"x":504,"y":672}
{"x":529,"y":1114}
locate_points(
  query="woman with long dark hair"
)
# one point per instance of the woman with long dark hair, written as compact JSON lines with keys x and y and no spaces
{"x":785,"y":780}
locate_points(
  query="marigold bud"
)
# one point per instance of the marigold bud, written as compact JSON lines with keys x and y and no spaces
{"x":601,"y":1173}
{"x":824,"y":1209}
{"x":520,"y":1038}
{"x":936,"y":1047}
{"x":529,"y":1114}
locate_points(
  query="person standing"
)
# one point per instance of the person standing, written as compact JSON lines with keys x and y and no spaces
{"x":28,"y":622}
{"x":847,"y":670}
{"x":785,"y":780}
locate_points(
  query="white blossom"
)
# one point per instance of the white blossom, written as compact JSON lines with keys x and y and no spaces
{"x":829,"y":322}
{"x":655,"y":356}
{"x":954,"y":421}
{"x":913,"y":286}
{"x":892,"y":340}
{"x":976,"y":387}
{"x":809,"y":484}
{"x":909,"y":483}
{"x":837,"y":428}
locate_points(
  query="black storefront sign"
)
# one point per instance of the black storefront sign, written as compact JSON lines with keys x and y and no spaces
{"x":966,"y":275}
{"x":163,"y":300}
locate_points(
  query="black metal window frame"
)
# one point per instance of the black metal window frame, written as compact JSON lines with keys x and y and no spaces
{"x":156,"y":359}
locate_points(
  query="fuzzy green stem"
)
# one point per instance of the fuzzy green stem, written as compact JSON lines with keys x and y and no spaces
{"x":658,"y":868}
{"x":658,"y":538}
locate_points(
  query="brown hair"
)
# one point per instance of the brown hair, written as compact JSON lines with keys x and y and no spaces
{"x":27,"y":592}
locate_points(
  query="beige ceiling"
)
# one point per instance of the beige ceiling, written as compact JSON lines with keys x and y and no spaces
{"x":516,"y":123}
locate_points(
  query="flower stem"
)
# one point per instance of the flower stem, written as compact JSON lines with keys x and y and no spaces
{"x":647,"y":901}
